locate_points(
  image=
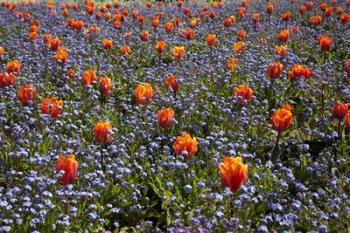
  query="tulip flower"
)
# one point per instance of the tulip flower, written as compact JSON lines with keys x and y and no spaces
{"x":178,"y":52}
{"x":61,"y":55}
{"x":2,"y":51}
{"x":51,"y":106}
{"x":315,"y":20}
{"x":124,"y":50}
{"x":282,"y":119}
{"x":160,"y":46}
{"x":53,"y":43}
{"x":13,"y":67}
{"x":26,"y":93}
{"x":88,"y":77}
{"x":7,"y":79}
{"x":144,"y":36}
{"x":325,"y":43}
{"x":281,"y":50}
{"x":283,"y":35}
{"x":238,"y":47}
{"x":340,"y":110}
{"x":171,"y":83}
{"x":233,"y":173}
{"x":143,"y":93}
{"x":70,"y":167}
{"x":231,"y":64}
{"x":211,"y":40}
{"x":103,"y":132}
{"x":71,"y":73}
{"x":243,"y":92}
{"x":105,"y":86}
{"x":165,"y":117}
{"x":185,"y":145}
{"x":168,"y":27}
{"x":274,"y":70}
{"x":299,"y":71}
{"x":269,"y":8}
{"x":107,"y":44}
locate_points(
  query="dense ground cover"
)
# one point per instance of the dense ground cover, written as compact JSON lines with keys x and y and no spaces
{"x":86,"y":147}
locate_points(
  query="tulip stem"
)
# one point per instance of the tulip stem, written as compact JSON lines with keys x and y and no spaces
{"x":275,"y":153}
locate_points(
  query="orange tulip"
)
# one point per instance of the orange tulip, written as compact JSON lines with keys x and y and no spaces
{"x":339,"y":10}
{"x":124,"y":50}
{"x":281,"y":50}
{"x":70,"y":167}
{"x":282,"y":119}
{"x":188,"y":34}
{"x":283,"y":35}
{"x":328,"y":12}
{"x":274,"y":70}
{"x":340,"y":110}
{"x":107,"y":44}
{"x":165,"y":117}
{"x":2,"y":51}
{"x":61,"y":55}
{"x":143,"y":93}
{"x":238,"y":47}
{"x":155,"y":21}
{"x":144,"y":36}
{"x":168,"y":27}
{"x":71,"y":73}
{"x":51,"y":106}
{"x":185,"y":145}
{"x":7,"y":79}
{"x":269,"y":8}
{"x":233,"y":173}
{"x":315,"y":20}
{"x":309,"y":5}
{"x":286,"y":16}
{"x":178,"y":52}
{"x":325,"y":43}
{"x":160,"y":46}
{"x":54,"y":43}
{"x":13,"y":66}
{"x":347,"y":66}
{"x":26,"y":93}
{"x":103,"y":132}
{"x":105,"y":86}
{"x":231,"y":64}
{"x":88,"y":77}
{"x":347,"y":122}
{"x":171,"y":83}
{"x":302,"y":9}
{"x":211,"y":39}
{"x":299,"y":71}
{"x":244,"y":92}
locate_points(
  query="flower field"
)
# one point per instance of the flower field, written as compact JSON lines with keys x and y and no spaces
{"x":175,"y":116}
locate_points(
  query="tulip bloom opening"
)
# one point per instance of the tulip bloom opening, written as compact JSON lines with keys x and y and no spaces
{"x":282,"y":119}
{"x":51,"y":106}
{"x":243,"y":92}
{"x":233,"y":173}
{"x":70,"y":167}
{"x":165,"y":117}
{"x":143,"y":93}
{"x":103,"y":132}
{"x":26,"y":93}
{"x":340,"y":110}
{"x":185,"y":145}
